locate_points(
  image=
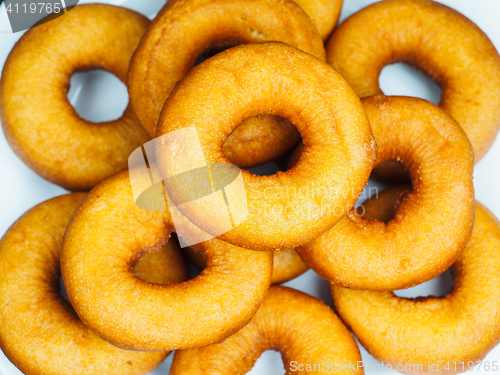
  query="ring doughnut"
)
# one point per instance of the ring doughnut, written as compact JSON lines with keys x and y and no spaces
{"x":206,"y":26}
{"x":433,"y":222}
{"x":51,"y":338}
{"x":287,"y":209}
{"x":436,"y":39}
{"x":302,"y":328}
{"x":195,"y":313}
{"x":40,"y":124}
{"x":287,"y":264}
{"x":462,"y":326}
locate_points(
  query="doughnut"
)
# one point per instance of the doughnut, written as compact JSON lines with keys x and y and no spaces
{"x":391,"y":171}
{"x":204,"y":27}
{"x":433,"y":222}
{"x":40,"y":332}
{"x":435,"y":39}
{"x":287,"y":264}
{"x":133,"y":314}
{"x":41,"y":125}
{"x":302,"y":328}
{"x":461,"y":327}
{"x":287,"y":209}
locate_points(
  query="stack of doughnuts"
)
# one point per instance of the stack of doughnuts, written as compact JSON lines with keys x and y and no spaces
{"x":249,"y":82}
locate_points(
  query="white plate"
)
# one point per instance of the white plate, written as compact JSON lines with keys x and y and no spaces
{"x":20,"y":188}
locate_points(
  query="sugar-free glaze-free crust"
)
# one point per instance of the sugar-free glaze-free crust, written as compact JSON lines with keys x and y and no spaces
{"x":291,"y":208}
{"x":184,"y":30}
{"x":436,"y":39}
{"x":433,"y":222}
{"x":303,"y":329}
{"x":455,"y":330}
{"x":40,"y":332}
{"x":133,"y":314}
{"x":40,"y":124}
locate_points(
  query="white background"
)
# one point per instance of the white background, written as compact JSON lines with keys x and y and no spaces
{"x":98,"y":96}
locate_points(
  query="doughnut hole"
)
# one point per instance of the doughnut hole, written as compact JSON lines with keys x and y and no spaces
{"x":155,"y":266}
{"x":391,"y":172}
{"x":260,"y":140}
{"x":439,"y":286}
{"x":269,"y":362}
{"x":385,"y":203}
{"x":97,"y":95}
{"x":266,"y":169}
{"x":281,"y":163}
{"x":402,"y":79}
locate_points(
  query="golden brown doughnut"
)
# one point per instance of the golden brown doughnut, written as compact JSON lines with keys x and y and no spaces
{"x":40,"y":333}
{"x":133,"y":314}
{"x":433,"y":222}
{"x":202,"y":26}
{"x":449,"y":331}
{"x":433,"y":38}
{"x":287,"y":264}
{"x":291,"y":208}
{"x":40,"y":124}
{"x":303,"y":329}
